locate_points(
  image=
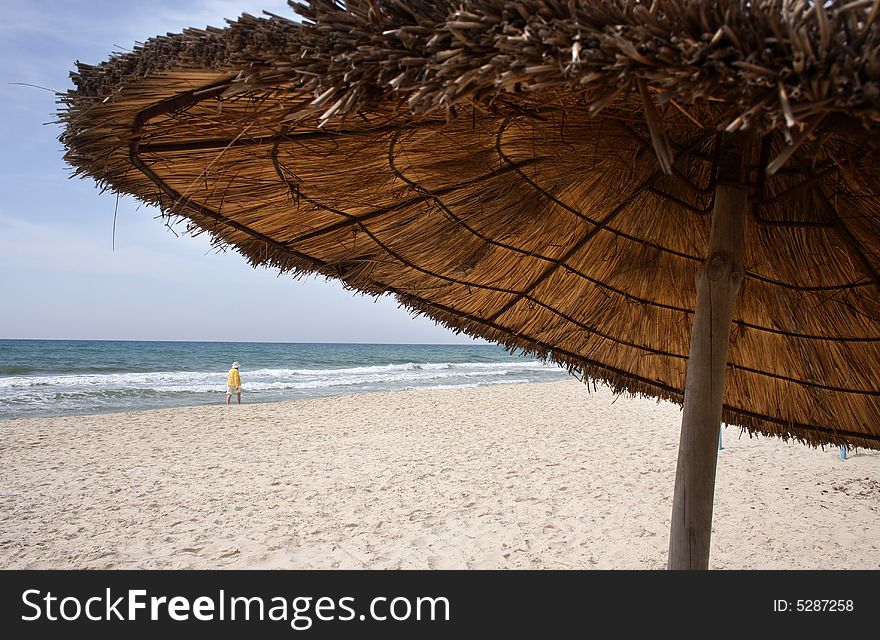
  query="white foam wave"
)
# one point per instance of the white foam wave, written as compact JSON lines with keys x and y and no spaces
{"x":84,"y":393}
{"x":109,"y":379}
{"x":392,"y":379}
{"x":409,"y":366}
{"x":469,"y":385}
{"x":269,"y":378}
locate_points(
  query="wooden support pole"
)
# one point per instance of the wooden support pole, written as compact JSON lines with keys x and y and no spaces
{"x":717,"y":284}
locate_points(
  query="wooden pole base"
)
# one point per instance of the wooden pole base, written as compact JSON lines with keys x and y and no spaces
{"x":717,"y":284}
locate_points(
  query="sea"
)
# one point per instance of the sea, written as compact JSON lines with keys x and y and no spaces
{"x":72,"y":377}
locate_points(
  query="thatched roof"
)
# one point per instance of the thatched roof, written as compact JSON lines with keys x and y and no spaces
{"x":538,"y":173}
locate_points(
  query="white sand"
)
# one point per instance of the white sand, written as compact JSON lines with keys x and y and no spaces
{"x":512,"y":476}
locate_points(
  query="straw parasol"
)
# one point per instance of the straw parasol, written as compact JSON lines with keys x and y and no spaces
{"x":674,"y":197}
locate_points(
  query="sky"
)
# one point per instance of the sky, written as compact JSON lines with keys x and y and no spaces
{"x":66,"y":275}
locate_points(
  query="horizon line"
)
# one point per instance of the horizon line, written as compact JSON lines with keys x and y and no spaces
{"x":426,"y":344}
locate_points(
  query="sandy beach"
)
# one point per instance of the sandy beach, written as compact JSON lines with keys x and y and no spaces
{"x":548,"y":476}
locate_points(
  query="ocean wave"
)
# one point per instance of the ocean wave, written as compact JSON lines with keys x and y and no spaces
{"x":390,"y":378}
{"x":163,"y":380}
{"x":469,"y":385}
{"x":23,"y":395}
{"x":407,"y":366}
{"x":15,"y":370}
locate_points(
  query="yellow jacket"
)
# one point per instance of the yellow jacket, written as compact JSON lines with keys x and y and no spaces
{"x":234,"y":380}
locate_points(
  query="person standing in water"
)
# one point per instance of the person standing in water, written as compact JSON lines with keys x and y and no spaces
{"x":233,"y":383}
